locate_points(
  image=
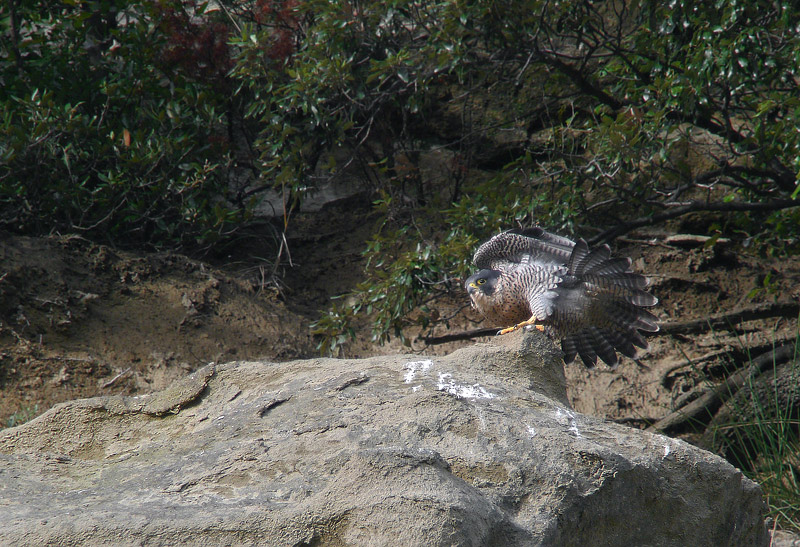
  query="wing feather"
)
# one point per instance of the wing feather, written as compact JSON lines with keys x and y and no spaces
{"x":598,"y":256}
{"x":585,"y":344}
{"x":532,"y":245}
{"x":570,"y":348}
{"x":578,"y":258}
{"x":602,"y":346}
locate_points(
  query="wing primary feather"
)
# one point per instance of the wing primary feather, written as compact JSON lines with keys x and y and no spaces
{"x":536,"y":232}
{"x":597,"y":257}
{"x":578,"y":257}
{"x":519,"y":246}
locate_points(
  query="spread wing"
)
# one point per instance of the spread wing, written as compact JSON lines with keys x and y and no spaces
{"x":594,"y":303}
{"x":598,"y":308}
{"x":507,"y":250}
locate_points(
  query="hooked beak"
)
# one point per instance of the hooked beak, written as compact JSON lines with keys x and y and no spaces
{"x":472,"y":291}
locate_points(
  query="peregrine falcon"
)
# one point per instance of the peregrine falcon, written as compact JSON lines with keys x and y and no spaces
{"x":590,"y":301}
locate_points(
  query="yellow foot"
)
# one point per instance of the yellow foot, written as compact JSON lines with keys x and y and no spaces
{"x":531,"y":321}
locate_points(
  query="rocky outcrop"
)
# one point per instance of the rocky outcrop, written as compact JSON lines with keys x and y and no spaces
{"x":476,"y":448}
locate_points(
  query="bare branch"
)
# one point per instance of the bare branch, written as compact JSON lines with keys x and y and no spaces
{"x":692,"y":207}
{"x":580,"y":80}
{"x":467,"y":335}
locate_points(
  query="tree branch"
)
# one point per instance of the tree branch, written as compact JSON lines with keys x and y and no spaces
{"x":579,"y":80}
{"x":467,"y":335}
{"x":15,"y":39}
{"x":700,"y":116}
{"x":731,"y":206}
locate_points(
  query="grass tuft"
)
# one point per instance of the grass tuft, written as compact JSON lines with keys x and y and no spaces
{"x":762,"y":438}
{"x":25,"y":414}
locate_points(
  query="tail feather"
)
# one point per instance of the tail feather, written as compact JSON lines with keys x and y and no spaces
{"x":590,"y":343}
{"x":637,"y":339}
{"x":603,"y":307}
{"x":586,"y":350}
{"x":621,"y":315}
{"x":622,"y":288}
{"x":624,"y":279}
{"x":646,"y":321}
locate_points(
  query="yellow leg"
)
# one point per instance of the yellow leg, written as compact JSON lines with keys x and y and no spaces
{"x":531,"y":321}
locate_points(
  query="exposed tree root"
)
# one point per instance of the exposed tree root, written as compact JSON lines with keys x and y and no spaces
{"x":727,"y":319}
{"x":704,"y":406}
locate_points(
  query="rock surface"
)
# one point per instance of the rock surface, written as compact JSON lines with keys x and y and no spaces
{"x":476,"y":448}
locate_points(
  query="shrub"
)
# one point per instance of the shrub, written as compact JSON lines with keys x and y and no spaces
{"x":116,"y":123}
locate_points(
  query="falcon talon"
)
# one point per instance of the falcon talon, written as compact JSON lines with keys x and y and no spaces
{"x":593,"y":302}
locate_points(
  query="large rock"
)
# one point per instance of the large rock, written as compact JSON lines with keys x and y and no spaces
{"x":476,"y":448}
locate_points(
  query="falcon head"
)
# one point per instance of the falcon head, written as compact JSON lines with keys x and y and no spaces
{"x":481,"y":285}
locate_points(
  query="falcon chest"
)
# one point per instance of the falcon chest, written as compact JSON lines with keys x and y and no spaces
{"x":508,"y":303}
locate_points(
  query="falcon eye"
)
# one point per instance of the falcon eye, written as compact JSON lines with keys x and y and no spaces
{"x":481,"y":281}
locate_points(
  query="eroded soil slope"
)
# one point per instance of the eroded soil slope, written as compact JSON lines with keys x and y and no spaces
{"x":79,"y":319}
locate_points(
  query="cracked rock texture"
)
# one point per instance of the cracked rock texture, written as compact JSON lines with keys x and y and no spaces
{"x":476,"y":448}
